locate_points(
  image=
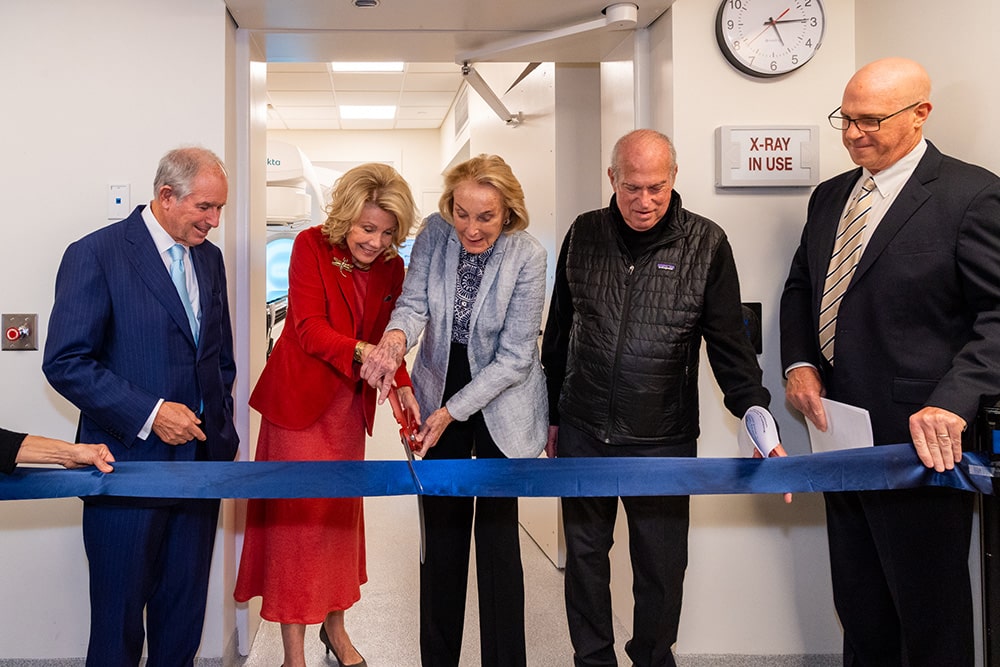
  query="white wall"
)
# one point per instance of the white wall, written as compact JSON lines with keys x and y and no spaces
{"x":87,"y":102}
{"x":957,"y":48}
{"x":415,"y":154}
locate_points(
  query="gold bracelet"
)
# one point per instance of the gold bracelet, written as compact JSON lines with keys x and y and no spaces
{"x":358,"y":349}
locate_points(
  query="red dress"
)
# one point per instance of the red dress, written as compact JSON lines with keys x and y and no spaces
{"x":306,"y":557}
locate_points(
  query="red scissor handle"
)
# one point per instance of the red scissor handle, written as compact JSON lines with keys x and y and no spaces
{"x":407,"y":428}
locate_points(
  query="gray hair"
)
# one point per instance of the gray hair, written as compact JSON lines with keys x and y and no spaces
{"x":641,"y":136}
{"x":179,"y":167}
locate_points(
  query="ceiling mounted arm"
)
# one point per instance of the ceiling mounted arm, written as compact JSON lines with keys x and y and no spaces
{"x":477,"y":82}
{"x":621,"y":16}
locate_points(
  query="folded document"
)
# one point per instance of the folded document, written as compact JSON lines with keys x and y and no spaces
{"x":847,"y":427}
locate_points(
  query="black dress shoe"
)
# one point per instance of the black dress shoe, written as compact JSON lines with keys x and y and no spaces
{"x":325,"y":638}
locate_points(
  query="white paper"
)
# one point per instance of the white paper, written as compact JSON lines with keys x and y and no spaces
{"x":847,"y":427}
{"x":758,"y":432}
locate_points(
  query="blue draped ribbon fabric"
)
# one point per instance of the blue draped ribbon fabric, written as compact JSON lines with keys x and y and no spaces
{"x":884,"y":467}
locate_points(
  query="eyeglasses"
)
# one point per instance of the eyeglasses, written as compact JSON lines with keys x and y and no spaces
{"x":843,"y":123}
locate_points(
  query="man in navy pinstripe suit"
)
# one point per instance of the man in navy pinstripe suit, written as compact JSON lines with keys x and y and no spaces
{"x":155,"y":384}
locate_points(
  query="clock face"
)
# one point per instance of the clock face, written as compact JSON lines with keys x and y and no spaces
{"x":769,"y":37}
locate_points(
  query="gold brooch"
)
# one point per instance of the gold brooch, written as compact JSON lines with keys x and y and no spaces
{"x":342,"y":264}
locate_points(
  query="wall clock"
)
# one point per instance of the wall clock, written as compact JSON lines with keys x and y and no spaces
{"x":768,"y":38}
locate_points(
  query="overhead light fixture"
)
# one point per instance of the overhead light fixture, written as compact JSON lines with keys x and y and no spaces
{"x":367,"y":112}
{"x":367,"y":67}
{"x":365,"y":4}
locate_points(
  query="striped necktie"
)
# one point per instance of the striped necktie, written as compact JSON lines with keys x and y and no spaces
{"x":180,"y":282}
{"x":847,"y":250}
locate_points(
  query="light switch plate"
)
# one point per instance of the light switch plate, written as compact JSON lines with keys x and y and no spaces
{"x":119,"y":204}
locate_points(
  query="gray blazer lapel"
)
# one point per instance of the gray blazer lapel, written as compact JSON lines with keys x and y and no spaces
{"x":448,"y":280}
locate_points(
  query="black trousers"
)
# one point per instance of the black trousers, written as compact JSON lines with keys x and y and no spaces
{"x":658,"y":546}
{"x":448,"y":525}
{"x":899,"y":564}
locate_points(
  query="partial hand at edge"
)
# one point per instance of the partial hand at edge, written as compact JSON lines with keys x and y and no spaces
{"x":552,"y":442}
{"x":98,"y":456}
{"x":803,"y":390}
{"x":937,"y":437}
{"x":175,"y":424}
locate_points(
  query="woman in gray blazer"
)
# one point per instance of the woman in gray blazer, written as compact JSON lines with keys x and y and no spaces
{"x":475,"y":289}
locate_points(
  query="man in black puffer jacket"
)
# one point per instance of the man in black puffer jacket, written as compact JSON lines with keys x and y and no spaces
{"x":638,"y":285}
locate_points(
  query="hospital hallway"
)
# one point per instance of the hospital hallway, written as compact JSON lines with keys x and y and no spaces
{"x":384,"y":624}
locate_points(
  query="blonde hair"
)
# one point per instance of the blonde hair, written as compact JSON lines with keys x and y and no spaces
{"x":379,"y":184}
{"x":487,"y":170}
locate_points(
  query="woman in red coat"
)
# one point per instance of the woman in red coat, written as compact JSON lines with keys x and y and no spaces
{"x":306,"y":557}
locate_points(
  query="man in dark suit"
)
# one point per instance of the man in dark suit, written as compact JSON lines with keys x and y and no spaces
{"x":140,"y":341}
{"x":912,"y":334}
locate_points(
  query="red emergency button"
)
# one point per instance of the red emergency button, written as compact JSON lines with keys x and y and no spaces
{"x":13,"y":333}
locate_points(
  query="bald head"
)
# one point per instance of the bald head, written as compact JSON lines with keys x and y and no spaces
{"x":895,"y":91}
{"x":896,"y":80}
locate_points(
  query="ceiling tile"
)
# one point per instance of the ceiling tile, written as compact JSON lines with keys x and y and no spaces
{"x":367,"y":81}
{"x":418,"y":68}
{"x":421,"y":113}
{"x":367,"y":124}
{"x":301,"y":99}
{"x":422,"y":82}
{"x":418,"y":124}
{"x":313,"y":125}
{"x":298,"y":81}
{"x":368,"y":98}
{"x":438,"y":99}
{"x":306,"y":113}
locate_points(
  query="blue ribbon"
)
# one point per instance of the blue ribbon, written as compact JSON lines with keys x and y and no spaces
{"x":885,"y":467}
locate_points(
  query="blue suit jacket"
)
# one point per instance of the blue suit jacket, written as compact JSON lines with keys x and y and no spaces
{"x":119,"y":340}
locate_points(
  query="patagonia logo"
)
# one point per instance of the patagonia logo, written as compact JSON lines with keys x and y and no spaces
{"x":664,"y":266}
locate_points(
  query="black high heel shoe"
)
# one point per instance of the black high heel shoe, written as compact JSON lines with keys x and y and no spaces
{"x":325,"y":638}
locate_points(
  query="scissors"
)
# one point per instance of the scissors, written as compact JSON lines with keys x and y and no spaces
{"x":408,"y":436}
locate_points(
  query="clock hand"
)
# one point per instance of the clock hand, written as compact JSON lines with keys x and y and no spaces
{"x":770,"y":23}
{"x":774,"y":24}
{"x":793,"y":21}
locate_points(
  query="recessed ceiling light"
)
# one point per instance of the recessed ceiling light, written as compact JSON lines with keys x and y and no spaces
{"x":365,"y":3}
{"x":367,"y":67}
{"x":361,"y":112}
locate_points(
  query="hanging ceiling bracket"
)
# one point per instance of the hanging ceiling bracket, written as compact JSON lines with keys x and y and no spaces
{"x":478,"y":84}
{"x":621,"y":16}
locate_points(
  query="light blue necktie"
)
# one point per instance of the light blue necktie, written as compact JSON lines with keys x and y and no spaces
{"x":177,"y":275}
